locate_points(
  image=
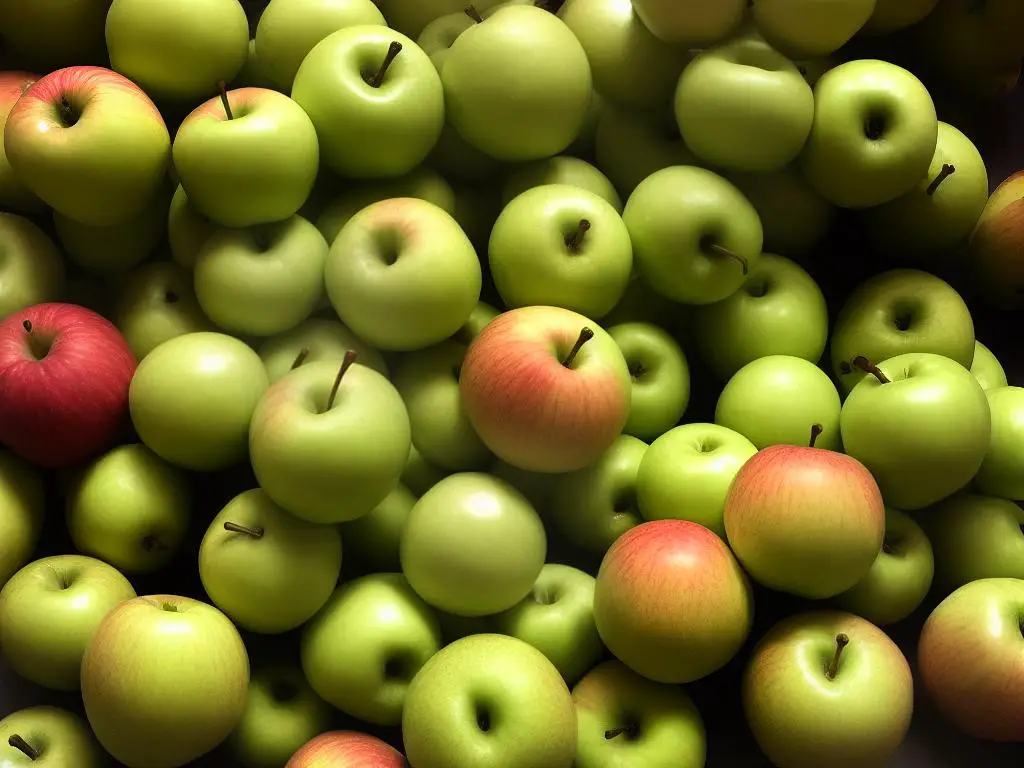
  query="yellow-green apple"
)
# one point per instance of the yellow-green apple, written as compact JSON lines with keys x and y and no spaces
{"x":252,"y":75}
{"x":693,"y":22}
{"x":626,"y":719}
{"x":64,"y":378}
{"x":986,"y":368}
{"x":640,"y":304}
{"x":23,"y":499}
{"x":583,"y":145}
{"x":561,"y":246}
{"x":173,"y":711}
{"x":921,"y":424}
{"x":31,"y":267}
{"x":187,"y":228}
{"x":366,"y":645}
{"x":899,"y":312}
{"x":900,"y":577}
{"x":419,"y":474}
{"x":546,"y":85}
{"x":375,"y":99}
{"x":874,"y":133}
{"x":48,"y":737}
{"x":481,"y":315}
{"x":560,"y":169}
{"x":13,"y":194}
{"x":630,"y":146}
{"x":178,"y":50}
{"x":968,"y":659}
{"x":192,"y":399}
{"x":315,"y":340}
{"x":269,"y":571}
{"x":994,"y":263}
{"x":779,"y":310}
{"x":375,"y":538}
{"x":458,"y":160}
{"x":686,"y":473}
{"x":308,"y":438}
{"x":828,"y":688}
{"x":437,"y":37}
{"x":1001,"y":471}
{"x":411,"y":16}
{"x":489,"y":700}
{"x":129,"y":508}
{"x":403,"y":275}
{"x":804,"y":28}
{"x":695,"y":236}
{"x":90,"y":143}
{"x":457,"y":546}
{"x":347,"y":749}
{"x":288,"y":30}
{"x":546,"y":389}
{"x":893,"y":15}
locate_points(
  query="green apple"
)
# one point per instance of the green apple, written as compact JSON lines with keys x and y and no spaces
{"x":403,"y":275}
{"x":686,"y":473}
{"x":896,"y":312}
{"x":537,"y":487}
{"x":187,"y":229}
{"x":874,"y":133}
{"x":660,"y":376}
{"x":437,"y":37}
{"x":24,"y":503}
{"x":192,"y":398}
{"x":48,"y":612}
{"x":804,"y":28}
{"x":560,"y":169}
{"x":269,"y":571}
{"x":375,"y":538}
{"x":473,"y":545}
{"x":993,"y":265}
{"x":561,"y":246}
{"x":131,"y":509}
{"x":630,"y":146}
{"x":557,"y":618}
{"x":456,"y":159}
{"x":419,"y":475}
{"x":252,"y":75}
{"x":366,"y":645}
{"x":288,"y":30}
{"x":177,"y":50}
{"x":625,"y":719}
{"x":31,"y":268}
{"x":640,"y":304}
{"x":694,"y":22}
{"x":410,"y":17}
{"x":309,"y":436}
{"x":922,"y":426}
{"x":779,"y":310}
{"x":164,"y":680}
{"x":315,"y":340}
{"x":893,"y":15}
{"x":774,"y":400}
{"x":47,"y":737}
{"x":489,"y":700}
{"x":1001,"y":471}
{"x":986,"y":368}
{"x":54,"y":33}
{"x":743,"y":105}
{"x":546,"y":85}
{"x":282,"y":713}
{"x":695,"y":236}
{"x":375,"y":99}
{"x":14,"y":195}
{"x":824,"y":688}
{"x":479,"y":318}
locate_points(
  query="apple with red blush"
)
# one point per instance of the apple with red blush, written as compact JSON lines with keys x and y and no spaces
{"x":14,"y":195}
{"x":347,"y":749}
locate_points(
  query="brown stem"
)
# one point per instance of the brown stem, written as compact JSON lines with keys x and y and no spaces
{"x":947,"y":171}
{"x":300,"y":358}
{"x":224,"y":100}
{"x":67,"y":112}
{"x":20,"y":744}
{"x":585,"y":335}
{"x":816,"y":430}
{"x":350,"y":358}
{"x":719,"y":250}
{"x":868,"y":367}
{"x":27,"y":325}
{"x":256,"y":533}
{"x":393,"y":50}
{"x":474,"y":14}
{"x":575,"y":241}
{"x":842,"y":640}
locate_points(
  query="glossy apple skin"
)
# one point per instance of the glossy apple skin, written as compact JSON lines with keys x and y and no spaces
{"x":66,"y":736}
{"x":807,"y":28}
{"x":995,"y":264}
{"x":1002,"y":471}
{"x":33,"y":270}
{"x":69,"y":406}
{"x":24,"y":502}
{"x":13,"y":194}
{"x":660,"y":376}
{"x":630,"y":146}
{"x":187,"y":228}
{"x":653,"y":583}
{"x":324,"y":340}
{"x":694,"y":22}
{"x":347,"y":749}
{"x":986,"y":368}
{"x":375,"y":538}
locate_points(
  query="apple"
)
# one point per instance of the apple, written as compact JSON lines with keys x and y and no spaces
{"x":176,"y":50}
{"x":269,"y":571}
{"x":54,"y":33}
{"x":437,"y":37}
{"x":13,"y":194}
{"x":347,"y":749}
{"x":192,"y":399}
{"x":489,"y":700}
{"x":403,"y":275}
{"x":458,"y":160}
{"x":921,"y":424}
{"x":24,"y":503}
{"x":993,"y":262}
{"x":805,"y":28}
{"x":968,"y":659}
{"x":893,"y":15}
{"x":1000,"y":473}
{"x":560,"y":169}
{"x":288,"y":30}
{"x":419,"y":475}
{"x":252,"y":75}
{"x":315,"y":340}
{"x":693,"y":22}
{"x":164,"y":680}
{"x":630,"y":146}
{"x":64,"y":378}
{"x":686,"y":473}
{"x":130,"y":508}
{"x":828,"y":688}
{"x":546,"y":389}
{"x":47,"y":737}
{"x":695,"y":236}
{"x":479,"y":319}
{"x":874,"y":133}
{"x":375,"y":538}
{"x":411,"y":18}
{"x":897,"y":312}
{"x":187,"y":229}
{"x":108,"y":168}
{"x":640,"y":304}
{"x":31,"y":271}
{"x":986,"y":368}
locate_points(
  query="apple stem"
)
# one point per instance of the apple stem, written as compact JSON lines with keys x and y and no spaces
{"x":224,"y":100}
{"x":393,"y":50}
{"x":888,"y":546}
{"x":816,"y":430}
{"x":474,"y":14}
{"x":947,"y":171}
{"x":350,"y":358}
{"x":551,"y":6}
{"x":19,"y":743}
{"x":27,"y":325}
{"x":67,"y":112}
{"x":842,"y":640}
{"x":300,"y":358}
{"x":256,"y":533}
{"x":868,"y":367}
{"x":575,"y":241}
{"x":719,"y":250}
{"x":585,"y":335}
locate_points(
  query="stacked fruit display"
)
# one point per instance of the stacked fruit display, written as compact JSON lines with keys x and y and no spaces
{"x":411,"y":384}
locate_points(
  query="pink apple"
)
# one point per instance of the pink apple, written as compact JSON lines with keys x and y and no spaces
{"x":13,"y":194}
{"x":546,"y":389}
{"x":64,"y":377}
{"x":347,"y":749}
{"x":671,"y":602}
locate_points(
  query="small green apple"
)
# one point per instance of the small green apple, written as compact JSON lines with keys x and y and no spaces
{"x":187,"y":229}
{"x":315,"y":340}
{"x":811,"y":27}
{"x":419,"y":475}
{"x":48,"y":737}
{"x":1001,"y":471}
{"x":24,"y":501}
{"x":694,"y":22}
{"x":660,"y":376}
{"x":478,"y":319}
{"x":560,"y":169}
{"x":630,"y":146}
{"x":986,"y":368}
{"x":31,"y":268}
{"x":375,"y":538}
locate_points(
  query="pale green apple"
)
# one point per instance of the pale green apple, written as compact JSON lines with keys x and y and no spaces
{"x":583,"y":146}
{"x":14,"y":195}
{"x":804,"y":28}
{"x":630,"y":146}
{"x":986,"y":368}
{"x":437,"y":37}
{"x":537,"y":487}
{"x":411,"y":16}
{"x":1002,"y":471}
{"x":251,"y":75}
{"x":893,"y":15}
{"x":54,"y":33}
{"x":660,"y":376}
{"x":31,"y":268}
{"x":419,"y":475}
{"x":456,"y":159}
{"x":48,"y":737}
{"x":693,"y":22}
{"x":187,"y":229}
{"x":312,"y":341}
{"x":560,"y":169}
{"x":640,"y":304}
{"x":24,"y":503}
{"x":481,"y":315}
{"x":375,"y":538}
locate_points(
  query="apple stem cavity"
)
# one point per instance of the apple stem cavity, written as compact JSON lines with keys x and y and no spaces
{"x":378,"y":78}
{"x":551,"y":6}
{"x":67,"y":113}
{"x":629,"y":731}
{"x":842,"y":640}
{"x":585,"y":335}
{"x":253,"y":532}
{"x":816,"y":430}
{"x":868,"y":367}
{"x":474,"y":14}
{"x":224,"y":100}
{"x":718,"y":250}
{"x":152,"y":543}
{"x":20,"y":744}
{"x":575,"y":240}
{"x":947,"y":171}
{"x":350,"y":358}
{"x":300,"y":358}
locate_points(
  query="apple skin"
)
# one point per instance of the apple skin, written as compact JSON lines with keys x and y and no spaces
{"x":805,"y":28}
{"x":893,"y":15}
{"x":630,"y":146}
{"x":1000,"y":473}
{"x":321,"y":339}
{"x":968,"y":659}
{"x":663,"y":727}
{"x":347,"y":749}
{"x":986,"y":368}
{"x":994,"y":264}
{"x":107,"y":169}
{"x":410,"y":18}
{"x":419,"y":474}
{"x":187,"y":228}
{"x":530,"y":409}
{"x":14,"y":195}
{"x":24,"y":502}
{"x":693,"y":22}
{"x":48,"y":612}
{"x":560,"y":169}
{"x":33,"y":270}
{"x":63,"y":384}
{"x":801,"y":719}
{"x":65,"y":735}
{"x":652,"y":584}
{"x":375,"y":539}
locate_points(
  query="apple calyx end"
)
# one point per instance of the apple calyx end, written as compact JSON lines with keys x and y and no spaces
{"x":152,"y":543}
{"x":947,"y":171}
{"x":585,"y":335}
{"x":842,"y":640}
{"x":575,"y":241}
{"x":23,"y":746}
{"x":816,"y":430}
{"x":867,"y":366}
{"x":377,"y":79}
{"x":67,"y":113}
{"x":300,"y":358}
{"x":255,"y":532}
{"x":223,"y":89}
{"x":350,"y":358}
{"x":718,"y":250}
{"x":473,"y":13}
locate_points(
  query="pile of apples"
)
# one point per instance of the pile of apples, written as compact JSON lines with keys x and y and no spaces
{"x":428,"y":285}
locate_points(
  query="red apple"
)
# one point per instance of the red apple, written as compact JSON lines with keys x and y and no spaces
{"x":546,"y":389}
{"x":13,"y":194}
{"x":64,"y":377}
{"x":671,"y":602}
{"x":347,"y":749}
